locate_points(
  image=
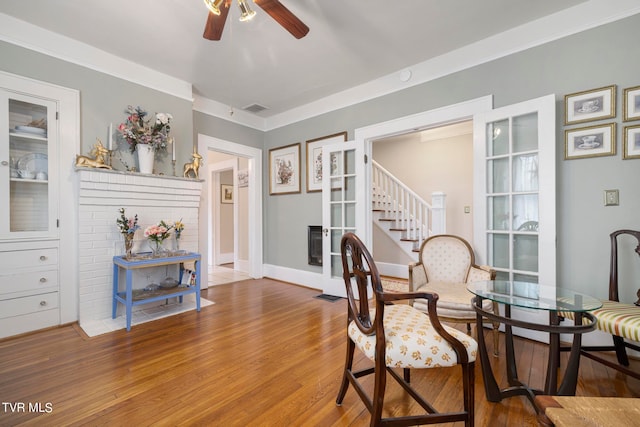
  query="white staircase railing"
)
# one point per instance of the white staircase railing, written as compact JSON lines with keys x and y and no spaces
{"x":407,"y":211}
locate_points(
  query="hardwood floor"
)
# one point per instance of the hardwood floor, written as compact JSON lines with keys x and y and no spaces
{"x":266,"y":354}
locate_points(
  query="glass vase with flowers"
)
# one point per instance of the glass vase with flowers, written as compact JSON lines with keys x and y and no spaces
{"x":127,"y":227}
{"x":157,"y":234}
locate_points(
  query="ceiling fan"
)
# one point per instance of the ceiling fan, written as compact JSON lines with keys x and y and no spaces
{"x":219,"y":9}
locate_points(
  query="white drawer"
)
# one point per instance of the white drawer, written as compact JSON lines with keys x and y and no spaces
{"x":11,"y":261}
{"x":30,"y":282}
{"x":31,"y":304}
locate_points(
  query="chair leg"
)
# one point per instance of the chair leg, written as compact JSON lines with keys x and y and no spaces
{"x":621,"y":351}
{"x":378,"y":392}
{"x":468,"y":328}
{"x":407,"y":375}
{"x":348,"y":364}
{"x":468,"y":386}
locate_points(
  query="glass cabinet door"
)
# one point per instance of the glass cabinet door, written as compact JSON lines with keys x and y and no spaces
{"x":27,"y":147}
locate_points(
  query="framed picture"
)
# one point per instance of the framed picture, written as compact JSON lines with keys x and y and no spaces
{"x":226,"y":193}
{"x":592,"y":141}
{"x":632,"y":104}
{"x":595,"y":104}
{"x":631,"y":145}
{"x":314,"y":159}
{"x":243,"y":178}
{"x":284,"y":169}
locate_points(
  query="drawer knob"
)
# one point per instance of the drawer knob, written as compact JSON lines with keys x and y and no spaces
{"x":43,"y":279}
{"x":43,"y":258}
{"x":43,"y":303}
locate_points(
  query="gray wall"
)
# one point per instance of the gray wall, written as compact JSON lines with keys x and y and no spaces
{"x":605,"y":55}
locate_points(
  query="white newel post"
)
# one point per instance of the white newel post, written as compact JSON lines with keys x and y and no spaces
{"x":152,"y":198}
{"x":438,"y":213}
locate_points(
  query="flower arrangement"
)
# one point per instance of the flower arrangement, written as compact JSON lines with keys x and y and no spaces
{"x":127,"y":226}
{"x":178,"y":226}
{"x":138,"y":129}
{"x":158,"y":233}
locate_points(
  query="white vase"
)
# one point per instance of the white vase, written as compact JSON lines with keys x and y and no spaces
{"x":146,"y":156}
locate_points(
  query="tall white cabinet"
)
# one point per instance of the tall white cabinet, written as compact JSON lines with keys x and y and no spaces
{"x":38,"y":136}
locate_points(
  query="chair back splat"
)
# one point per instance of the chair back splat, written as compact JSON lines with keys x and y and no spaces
{"x":398,"y":336}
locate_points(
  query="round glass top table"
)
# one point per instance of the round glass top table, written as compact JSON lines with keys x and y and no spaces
{"x":555,"y":301}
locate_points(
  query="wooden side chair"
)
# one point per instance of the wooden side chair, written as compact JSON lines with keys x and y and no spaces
{"x":620,"y":319}
{"x":397,"y":336}
{"x":446,"y":263}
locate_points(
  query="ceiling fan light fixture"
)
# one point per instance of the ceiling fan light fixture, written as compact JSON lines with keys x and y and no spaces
{"x":247,"y":13}
{"x":213,"y":6}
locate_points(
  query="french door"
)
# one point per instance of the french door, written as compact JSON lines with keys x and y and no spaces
{"x":343,"y":192}
{"x":514,"y":195}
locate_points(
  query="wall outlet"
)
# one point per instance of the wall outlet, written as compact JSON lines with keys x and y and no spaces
{"x":611,"y":198}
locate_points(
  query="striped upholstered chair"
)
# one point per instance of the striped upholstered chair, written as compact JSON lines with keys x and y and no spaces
{"x":620,"y":319}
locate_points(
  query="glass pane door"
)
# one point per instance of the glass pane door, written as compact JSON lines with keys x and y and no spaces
{"x":341,"y":202}
{"x":514,"y":195}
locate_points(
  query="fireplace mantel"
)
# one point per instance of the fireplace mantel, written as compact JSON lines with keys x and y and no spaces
{"x":101,"y":194}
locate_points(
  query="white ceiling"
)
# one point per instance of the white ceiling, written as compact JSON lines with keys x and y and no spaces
{"x":350,"y":42}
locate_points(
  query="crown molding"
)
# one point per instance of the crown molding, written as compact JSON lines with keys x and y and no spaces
{"x":32,"y":37}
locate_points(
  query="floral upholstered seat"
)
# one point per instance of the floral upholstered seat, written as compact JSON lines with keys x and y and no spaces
{"x":412,"y":341}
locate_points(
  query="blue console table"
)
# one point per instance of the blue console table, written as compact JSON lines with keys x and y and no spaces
{"x":126,"y":297}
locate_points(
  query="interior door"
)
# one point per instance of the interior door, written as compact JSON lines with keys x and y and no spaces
{"x":514,"y":192}
{"x":342,"y":207}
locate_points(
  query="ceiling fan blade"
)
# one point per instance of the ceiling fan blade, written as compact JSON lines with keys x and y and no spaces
{"x":215,"y":23}
{"x":284,"y":17}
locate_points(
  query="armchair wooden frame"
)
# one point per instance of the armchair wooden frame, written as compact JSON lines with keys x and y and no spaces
{"x":360,"y":270}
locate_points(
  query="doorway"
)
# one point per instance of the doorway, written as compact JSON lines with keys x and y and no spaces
{"x":252,"y":227}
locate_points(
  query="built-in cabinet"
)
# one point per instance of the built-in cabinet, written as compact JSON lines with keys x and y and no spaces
{"x":30,"y":184}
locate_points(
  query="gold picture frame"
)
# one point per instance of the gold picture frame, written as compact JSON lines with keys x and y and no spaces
{"x":314,"y":159}
{"x":631,"y":144}
{"x":226,"y":194}
{"x":284,"y":169}
{"x":590,"y":105}
{"x":590,"y":141}
{"x":631,"y":105}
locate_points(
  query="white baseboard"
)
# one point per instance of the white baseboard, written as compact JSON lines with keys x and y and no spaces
{"x":291,"y":275}
{"x":225,"y":258}
{"x":400,"y":271}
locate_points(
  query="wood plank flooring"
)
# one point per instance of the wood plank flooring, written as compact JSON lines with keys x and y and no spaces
{"x":266,"y":354}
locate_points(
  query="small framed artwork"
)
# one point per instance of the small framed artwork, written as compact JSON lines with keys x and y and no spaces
{"x":314,"y":159}
{"x":631,"y":144}
{"x":594,"y":104}
{"x":243,"y":178}
{"x":632,"y":104}
{"x":226,"y":193}
{"x":284,"y":169}
{"x":592,"y":141}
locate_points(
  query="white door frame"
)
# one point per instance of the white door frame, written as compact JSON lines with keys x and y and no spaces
{"x":420,"y":121}
{"x":254,"y":155}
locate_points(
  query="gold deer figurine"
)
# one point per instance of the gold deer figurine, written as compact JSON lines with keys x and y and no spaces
{"x":193,"y":166}
{"x":99,"y":152}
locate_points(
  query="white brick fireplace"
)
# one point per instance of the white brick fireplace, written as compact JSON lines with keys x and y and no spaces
{"x":101,"y":194}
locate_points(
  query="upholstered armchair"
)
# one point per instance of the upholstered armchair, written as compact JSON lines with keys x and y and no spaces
{"x":445,"y":265}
